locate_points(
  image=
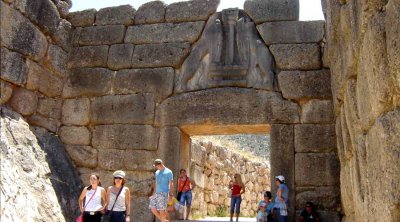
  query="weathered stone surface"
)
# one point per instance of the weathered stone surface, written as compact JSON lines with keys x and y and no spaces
{"x":383,"y":152}
{"x":50,"y":107}
{"x":134,"y":109}
{"x":159,"y":55}
{"x":142,"y":160}
{"x":140,"y":182}
{"x":75,"y":35}
{"x":74,"y":135}
{"x":48,"y":123}
{"x":19,"y":34}
{"x":111,"y":159}
{"x":6,"y":92}
{"x":325,"y":197}
{"x":138,"y":137}
{"x":43,"y":12}
{"x":307,"y":174}
{"x":150,"y":12}
{"x":120,"y":15}
{"x":317,"y":111}
{"x":315,"y":138}
{"x":140,"y":209}
{"x":13,"y":67}
{"x":169,"y":148}
{"x":292,"y":32}
{"x":88,"y":82}
{"x":102,"y":35}
{"x":56,"y":59}
{"x":63,"y":34}
{"x":296,"y":56}
{"x":158,"y":81}
{"x":305,"y":84}
{"x":89,"y":56}
{"x":165,"y":32}
{"x":76,"y":111}
{"x":226,"y":106}
{"x":83,"y":156}
{"x":194,"y":10}
{"x":392,"y":27}
{"x":63,"y":7}
{"x":24,"y":101}
{"x":23,"y":160}
{"x":82,"y":18}
{"x":120,"y":56}
{"x":272,"y":10}
{"x":282,"y":157}
{"x":41,"y":79}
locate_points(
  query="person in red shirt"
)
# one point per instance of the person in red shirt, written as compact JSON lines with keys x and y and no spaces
{"x":237,"y":188}
{"x":185,"y":185}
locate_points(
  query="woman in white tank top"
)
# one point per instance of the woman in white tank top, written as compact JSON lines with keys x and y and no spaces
{"x":121,"y":206}
{"x":95,"y":200}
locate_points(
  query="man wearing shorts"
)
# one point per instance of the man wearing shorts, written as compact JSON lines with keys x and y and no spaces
{"x":163,"y":187}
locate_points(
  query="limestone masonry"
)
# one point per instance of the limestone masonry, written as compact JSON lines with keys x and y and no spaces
{"x":98,"y":91}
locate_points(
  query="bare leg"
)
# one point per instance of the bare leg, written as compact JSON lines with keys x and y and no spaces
{"x":231,"y":217}
{"x":163,"y":215}
{"x":156,"y":213}
{"x":237,"y":217}
{"x":187,"y":212}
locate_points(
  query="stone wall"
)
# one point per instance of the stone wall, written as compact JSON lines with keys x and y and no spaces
{"x":212,"y":168}
{"x":363,"y":52}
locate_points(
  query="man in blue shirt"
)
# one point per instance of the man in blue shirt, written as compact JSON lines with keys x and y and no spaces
{"x":162,"y":188}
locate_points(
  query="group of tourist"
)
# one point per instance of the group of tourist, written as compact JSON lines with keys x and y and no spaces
{"x":113,"y":204}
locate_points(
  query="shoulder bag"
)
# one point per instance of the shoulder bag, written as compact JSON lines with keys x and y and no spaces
{"x":80,"y":218}
{"x":107,"y":215}
{"x":178,"y":197}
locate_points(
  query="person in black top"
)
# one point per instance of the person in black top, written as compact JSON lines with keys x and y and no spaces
{"x":309,"y":214}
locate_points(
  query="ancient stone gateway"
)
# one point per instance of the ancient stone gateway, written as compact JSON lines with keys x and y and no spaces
{"x":121,"y":87}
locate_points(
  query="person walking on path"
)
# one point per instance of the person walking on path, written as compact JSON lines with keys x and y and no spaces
{"x":185,"y":185}
{"x":119,"y":199}
{"x":95,"y":200}
{"x":163,"y":187}
{"x":281,"y":199}
{"x":237,"y":188}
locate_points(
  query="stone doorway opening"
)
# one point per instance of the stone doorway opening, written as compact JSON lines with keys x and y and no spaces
{"x":213,"y":154}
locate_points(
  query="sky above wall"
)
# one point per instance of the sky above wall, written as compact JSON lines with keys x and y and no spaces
{"x":309,"y":9}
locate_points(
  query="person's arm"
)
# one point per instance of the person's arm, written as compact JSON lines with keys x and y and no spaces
{"x":279,"y":193}
{"x":193,"y":184}
{"x":155,"y":188}
{"x":242,"y":190}
{"x":104,"y":199}
{"x":171,"y":187}
{"x":128,"y":204}
{"x":80,"y":200}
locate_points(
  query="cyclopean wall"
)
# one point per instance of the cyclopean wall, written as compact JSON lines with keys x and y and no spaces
{"x":363,"y":51}
{"x":137,"y":82}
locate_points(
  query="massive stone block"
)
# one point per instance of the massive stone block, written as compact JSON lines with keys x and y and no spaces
{"x":88,"y":82}
{"x":158,"y":81}
{"x":48,"y":123}
{"x":120,"y":15}
{"x":392,"y":27}
{"x":19,"y":34}
{"x":111,"y":159}
{"x":159,"y":55}
{"x":120,"y":56}
{"x":164,"y":32}
{"x":140,"y":208}
{"x":40,"y":78}
{"x":169,"y":148}
{"x":296,"y":56}
{"x":75,"y":135}
{"x":150,"y":12}
{"x":43,"y":12}
{"x":63,"y":34}
{"x":50,"y":107}
{"x":191,"y":10}
{"x":89,"y":56}
{"x":134,"y":109}
{"x":56,"y":59}
{"x":305,"y":84}
{"x":13,"y":67}
{"x":6,"y":91}
{"x":324,"y":197}
{"x":76,"y":111}
{"x":317,"y":111}
{"x":326,"y":174}
{"x":272,"y":10}
{"x":141,"y":160}
{"x":315,"y":138}
{"x":102,"y":35}
{"x":137,"y":137}
{"x":83,"y":156}
{"x":24,"y":101}
{"x":140,"y":182}
{"x":226,"y":106}
{"x":292,"y":32}
{"x":82,"y":18}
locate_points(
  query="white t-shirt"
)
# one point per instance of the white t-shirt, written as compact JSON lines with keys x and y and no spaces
{"x":95,"y":203}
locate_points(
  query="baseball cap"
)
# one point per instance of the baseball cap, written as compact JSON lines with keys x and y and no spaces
{"x":281,"y":178}
{"x":157,"y":161}
{"x":119,"y":173}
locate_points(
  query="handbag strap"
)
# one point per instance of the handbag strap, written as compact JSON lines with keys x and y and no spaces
{"x":184,"y":184}
{"x":90,"y":199}
{"x":117,"y":198}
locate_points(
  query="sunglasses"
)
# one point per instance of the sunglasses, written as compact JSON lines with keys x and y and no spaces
{"x":308,"y":206}
{"x":117,"y":178}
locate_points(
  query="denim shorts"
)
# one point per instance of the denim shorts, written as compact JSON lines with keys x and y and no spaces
{"x":186,"y":198}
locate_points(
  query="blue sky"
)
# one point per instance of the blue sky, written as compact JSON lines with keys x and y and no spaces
{"x":309,"y":9}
